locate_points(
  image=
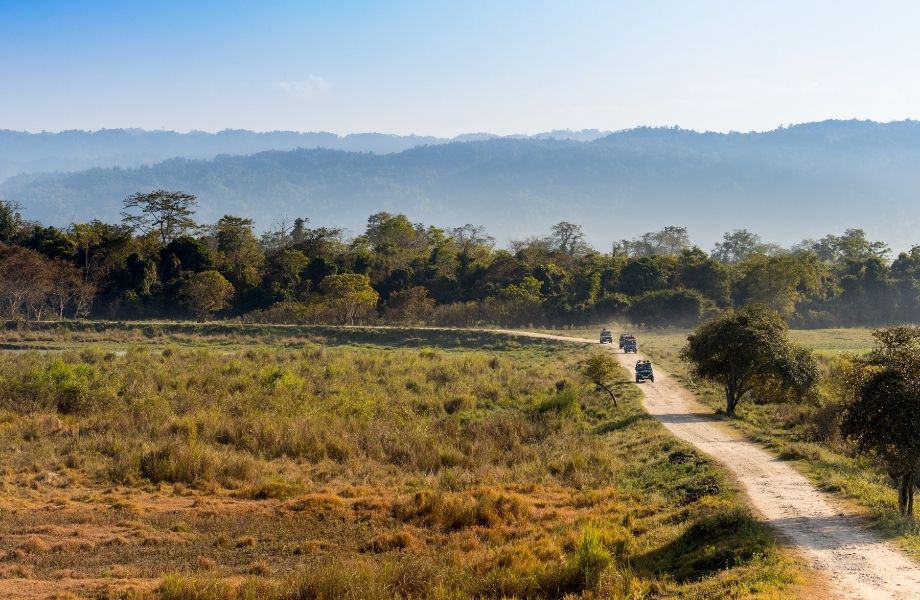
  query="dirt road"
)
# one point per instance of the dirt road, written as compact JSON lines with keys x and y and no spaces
{"x":856,"y":562}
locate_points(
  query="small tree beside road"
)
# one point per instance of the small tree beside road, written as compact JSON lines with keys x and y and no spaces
{"x":599,"y":370}
{"x":745,"y":348}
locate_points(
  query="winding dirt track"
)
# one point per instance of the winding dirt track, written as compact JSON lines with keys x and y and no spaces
{"x":855,"y":561}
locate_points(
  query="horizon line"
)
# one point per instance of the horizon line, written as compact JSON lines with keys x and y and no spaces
{"x":604,"y":132}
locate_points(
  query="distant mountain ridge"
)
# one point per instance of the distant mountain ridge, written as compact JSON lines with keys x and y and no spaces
{"x":786,"y":184}
{"x":75,"y":150}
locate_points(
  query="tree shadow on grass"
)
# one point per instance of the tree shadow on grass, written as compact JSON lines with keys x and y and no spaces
{"x":616,"y":425}
{"x":711,"y":544}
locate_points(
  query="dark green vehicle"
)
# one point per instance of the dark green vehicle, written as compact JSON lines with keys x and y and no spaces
{"x":630,"y":345}
{"x":606,"y":336}
{"x":644,"y":371}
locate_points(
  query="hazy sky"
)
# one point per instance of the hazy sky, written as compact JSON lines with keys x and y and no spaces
{"x":449,"y":67}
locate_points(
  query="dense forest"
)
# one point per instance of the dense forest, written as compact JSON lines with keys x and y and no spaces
{"x":158,"y":262}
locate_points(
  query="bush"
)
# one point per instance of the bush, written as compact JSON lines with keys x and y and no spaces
{"x":452,"y":511}
{"x":275,"y":487}
{"x":63,"y":385}
{"x":683,"y":308}
{"x":583,"y":570}
{"x":179,"y":462}
{"x":564,"y":402}
{"x":458,"y":314}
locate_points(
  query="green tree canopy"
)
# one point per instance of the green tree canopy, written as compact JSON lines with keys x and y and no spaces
{"x":740,"y":244}
{"x":184,"y":254}
{"x":207,"y":293}
{"x":10,"y":221}
{"x":599,"y":369}
{"x":350,"y":295}
{"x":168,"y":214}
{"x":742,"y":347}
{"x":240,"y":254}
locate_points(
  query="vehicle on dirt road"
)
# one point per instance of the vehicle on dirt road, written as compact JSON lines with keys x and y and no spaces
{"x":644,"y":371}
{"x":630,"y":345}
{"x":606,"y":336}
{"x":624,"y":337}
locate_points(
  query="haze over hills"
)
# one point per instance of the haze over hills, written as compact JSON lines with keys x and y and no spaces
{"x":24,"y":152}
{"x":786,"y":184}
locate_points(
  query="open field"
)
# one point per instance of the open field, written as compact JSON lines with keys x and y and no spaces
{"x":826,"y":342}
{"x":119,"y":335}
{"x":264,"y":464}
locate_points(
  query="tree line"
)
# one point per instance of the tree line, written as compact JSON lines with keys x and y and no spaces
{"x":159,"y":262}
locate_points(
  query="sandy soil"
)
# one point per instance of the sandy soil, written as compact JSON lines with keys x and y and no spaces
{"x":856,"y":562}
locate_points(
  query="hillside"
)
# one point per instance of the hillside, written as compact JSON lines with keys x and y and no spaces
{"x":23,"y":152}
{"x":786,"y":184}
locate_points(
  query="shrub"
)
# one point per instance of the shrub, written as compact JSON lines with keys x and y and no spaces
{"x":582,"y":571}
{"x":178,"y":462}
{"x":451,"y":511}
{"x":564,"y":402}
{"x":63,"y":385}
{"x":682,"y":308}
{"x":270,"y":487}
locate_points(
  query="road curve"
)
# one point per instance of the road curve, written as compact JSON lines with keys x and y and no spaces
{"x":856,"y":562}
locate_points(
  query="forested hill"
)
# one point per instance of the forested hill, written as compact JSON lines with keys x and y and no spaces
{"x":786,"y":184}
{"x":23,"y":152}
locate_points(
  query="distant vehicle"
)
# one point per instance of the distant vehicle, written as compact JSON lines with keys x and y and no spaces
{"x":624,"y":337}
{"x":644,"y":371}
{"x":630,"y":345}
{"x":606,"y":336}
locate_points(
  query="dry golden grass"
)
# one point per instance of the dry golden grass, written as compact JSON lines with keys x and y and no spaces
{"x":364,"y":472}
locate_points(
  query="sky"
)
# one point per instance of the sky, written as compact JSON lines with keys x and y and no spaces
{"x":444,"y":68}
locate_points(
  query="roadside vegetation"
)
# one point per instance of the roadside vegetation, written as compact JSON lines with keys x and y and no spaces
{"x":835,"y":432}
{"x":330,"y":471}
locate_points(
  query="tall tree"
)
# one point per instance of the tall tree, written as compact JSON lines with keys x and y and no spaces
{"x":737,"y":245}
{"x":241,"y":255}
{"x":668,"y":241}
{"x":852,"y":245}
{"x":69,"y":289}
{"x":24,"y":281}
{"x":85,"y":237}
{"x":10,"y":221}
{"x":780,"y":282}
{"x":569,"y":238}
{"x":168,"y":214}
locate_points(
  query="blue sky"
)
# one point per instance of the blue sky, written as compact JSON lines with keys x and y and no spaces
{"x":444,"y":68}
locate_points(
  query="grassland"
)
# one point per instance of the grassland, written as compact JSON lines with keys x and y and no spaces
{"x":325,"y":464}
{"x":825,"y":342}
